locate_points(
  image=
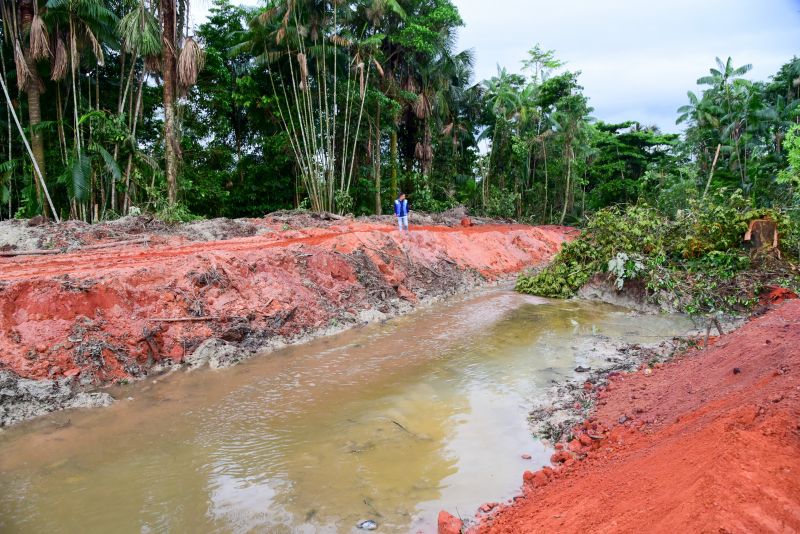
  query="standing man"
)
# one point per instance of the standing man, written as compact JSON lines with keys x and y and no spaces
{"x":401,"y":211}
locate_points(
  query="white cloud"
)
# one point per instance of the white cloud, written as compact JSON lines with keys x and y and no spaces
{"x":638,"y":58}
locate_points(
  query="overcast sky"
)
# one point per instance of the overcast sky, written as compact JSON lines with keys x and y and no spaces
{"x":637,"y":57}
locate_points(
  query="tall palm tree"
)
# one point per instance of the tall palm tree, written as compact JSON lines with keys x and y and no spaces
{"x":728,"y":92}
{"x":169,"y":73}
{"x":503,"y":98}
{"x":29,"y":39}
{"x":140,"y":37}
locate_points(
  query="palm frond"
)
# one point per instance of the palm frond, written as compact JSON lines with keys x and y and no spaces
{"x":8,"y":166}
{"x":395,"y":6}
{"x":40,"y":41}
{"x":378,"y":67}
{"x":190,"y":63}
{"x":59,"y":70}
{"x":24,"y":76}
{"x":138,"y":31}
{"x":110,"y":164}
{"x":97,"y":49}
{"x":303,"y":62}
{"x":81,"y":177}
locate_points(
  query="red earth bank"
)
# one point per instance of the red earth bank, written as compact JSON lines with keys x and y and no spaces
{"x":109,"y":314}
{"x":709,"y":442}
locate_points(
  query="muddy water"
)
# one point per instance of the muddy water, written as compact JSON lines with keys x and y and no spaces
{"x":390,"y":422}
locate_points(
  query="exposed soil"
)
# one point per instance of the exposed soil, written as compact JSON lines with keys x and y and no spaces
{"x":706,"y":442}
{"x":81,"y":314}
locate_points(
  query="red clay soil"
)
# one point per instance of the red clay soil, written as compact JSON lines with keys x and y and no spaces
{"x":110,"y":314}
{"x":710,"y":443}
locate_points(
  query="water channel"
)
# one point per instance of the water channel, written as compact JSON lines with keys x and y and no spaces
{"x":390,"y":422}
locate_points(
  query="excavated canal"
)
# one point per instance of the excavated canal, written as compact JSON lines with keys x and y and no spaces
{"x":391,"y":422}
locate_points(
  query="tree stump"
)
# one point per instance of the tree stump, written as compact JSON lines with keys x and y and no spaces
{"x":762,"y":234}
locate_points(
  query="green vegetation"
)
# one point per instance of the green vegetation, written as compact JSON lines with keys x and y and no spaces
{"x":338,"y":105}
{"x":693,"y":262}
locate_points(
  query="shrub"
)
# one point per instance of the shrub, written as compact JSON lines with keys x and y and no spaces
{"x":695,"y":262}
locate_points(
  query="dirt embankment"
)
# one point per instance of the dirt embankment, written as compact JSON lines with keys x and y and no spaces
{"x":217,"y":291}
{"x":708,"y":442}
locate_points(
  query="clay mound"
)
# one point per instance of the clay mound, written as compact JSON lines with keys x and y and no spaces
{"x":107,"y":314}
{"x":707,"y":443}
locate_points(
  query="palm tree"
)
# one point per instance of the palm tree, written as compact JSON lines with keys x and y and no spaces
{"x":728,"y":91}
{"x":140,"y":38}
{"x":28,"y":36}
{"x":503,"y":98}
{"x":169,"y":72}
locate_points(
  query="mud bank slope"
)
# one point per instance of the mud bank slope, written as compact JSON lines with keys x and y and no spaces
{"x":100,"y":315}
{"x":709,"y":442}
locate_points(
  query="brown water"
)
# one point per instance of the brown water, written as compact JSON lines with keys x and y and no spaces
{"x":390,"y":422}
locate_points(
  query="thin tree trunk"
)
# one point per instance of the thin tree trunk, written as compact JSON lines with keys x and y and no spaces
{"x":393,"y":156}
{"x":121,"y":76}
{"x":35,"y":114}
{"x":62,"y":136}
{"x":377,"y":163}
{"x":567,"y":187}
{"x":711,"y":174}
{"x":126,"y":204}
{"x":168,"y":37}
{"x":74,"y":68}
{"x":546,"y":182}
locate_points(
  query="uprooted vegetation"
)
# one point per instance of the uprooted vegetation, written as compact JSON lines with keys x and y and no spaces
{"x":694,"y":262}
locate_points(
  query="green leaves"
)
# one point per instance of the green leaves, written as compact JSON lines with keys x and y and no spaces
{"x":110,"y":164}
{"x":139,"y":32}
{"x":81,"y":177}
{"x":695,"y":262}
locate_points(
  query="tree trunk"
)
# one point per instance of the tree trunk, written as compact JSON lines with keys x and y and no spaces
{"x":135,"y":117}
{"x":546,"y":183}
{"x":394,"y":162}
{"x":35,"y":114}
{"x":377,"y":163}
{"x":567,"y":187}
{"x":171,"y":153}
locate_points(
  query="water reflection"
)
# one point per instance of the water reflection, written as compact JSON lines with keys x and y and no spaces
{"x":391,"y":422}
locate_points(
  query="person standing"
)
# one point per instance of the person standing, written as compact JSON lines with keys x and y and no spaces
{"x":401,"y":211}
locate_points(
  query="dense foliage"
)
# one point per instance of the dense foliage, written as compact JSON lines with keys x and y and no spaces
{"x":337,"y":106}
{"x":694,"y":262}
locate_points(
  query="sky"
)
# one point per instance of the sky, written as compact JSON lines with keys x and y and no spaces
{"x":637,"y":58}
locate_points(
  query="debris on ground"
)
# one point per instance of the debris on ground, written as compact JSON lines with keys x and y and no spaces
{"x":216,"y":292}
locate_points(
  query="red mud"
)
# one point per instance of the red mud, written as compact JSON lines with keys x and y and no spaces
{"x":710,"y":443}
{"x":96,"y":313}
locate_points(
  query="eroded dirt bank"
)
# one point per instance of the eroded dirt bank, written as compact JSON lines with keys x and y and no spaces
{"x":709,"y":442}
{"x":218,"y":291}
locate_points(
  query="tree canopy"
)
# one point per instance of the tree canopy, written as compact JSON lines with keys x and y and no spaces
{"x":339,"y":105}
